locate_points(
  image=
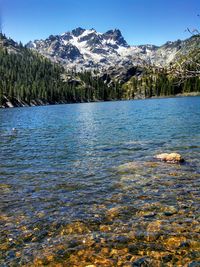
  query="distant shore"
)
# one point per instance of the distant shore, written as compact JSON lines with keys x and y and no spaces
{"x":38,"y":102}
{"x":177,"y":95}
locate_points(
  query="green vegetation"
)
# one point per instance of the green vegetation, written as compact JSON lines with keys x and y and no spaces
{"x":27,"y":78}
{"x":160,"y":82}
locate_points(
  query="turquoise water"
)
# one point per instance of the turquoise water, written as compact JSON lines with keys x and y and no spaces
{"x":82,"y":177}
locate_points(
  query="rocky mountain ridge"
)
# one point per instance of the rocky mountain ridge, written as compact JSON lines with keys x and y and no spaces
{"x":89,"y":49}
{"x":29,"y":78}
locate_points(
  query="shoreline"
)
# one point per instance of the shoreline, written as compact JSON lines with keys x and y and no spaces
{"x":38,"y":102}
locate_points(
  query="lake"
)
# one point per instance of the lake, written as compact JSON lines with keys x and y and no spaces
{"x":80,"y":186}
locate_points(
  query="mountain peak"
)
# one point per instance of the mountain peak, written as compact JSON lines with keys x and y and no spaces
{"x":117,"y":31}
{"x":87,"y":48}
{"x":114,"y":32}
{"x":116,"y":36}
{"x":78,"y":31}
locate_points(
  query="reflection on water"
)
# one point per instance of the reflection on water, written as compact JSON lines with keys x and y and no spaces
{"x":79,"y":185}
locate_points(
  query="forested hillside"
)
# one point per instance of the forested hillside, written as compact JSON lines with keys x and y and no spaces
{"x":28,"y":78}
{"x":155,"y":82}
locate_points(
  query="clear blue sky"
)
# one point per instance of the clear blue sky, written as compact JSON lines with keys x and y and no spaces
{"x":140,"y":21}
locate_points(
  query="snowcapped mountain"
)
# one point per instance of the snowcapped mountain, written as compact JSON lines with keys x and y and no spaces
{"x":86,"y":49}
{"x":82,"y":48}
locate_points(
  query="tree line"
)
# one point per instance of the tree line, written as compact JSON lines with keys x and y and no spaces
{"x":27,"y":76}
{"x":160,"y":82}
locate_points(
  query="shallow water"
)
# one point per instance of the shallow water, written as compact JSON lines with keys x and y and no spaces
{"x":79,"y":184}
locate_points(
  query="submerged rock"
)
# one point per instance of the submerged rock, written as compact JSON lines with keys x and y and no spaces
{"x":130,"y":166}
{"x":174,"y":242}
{"x":153,"y":230}
{"x":114,"y":212}
{"x":142,"y":262}
{"x":170,"y":157}
{"x":169,"y":210}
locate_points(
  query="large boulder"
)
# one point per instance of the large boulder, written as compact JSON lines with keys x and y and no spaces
{"x":170,"y":157}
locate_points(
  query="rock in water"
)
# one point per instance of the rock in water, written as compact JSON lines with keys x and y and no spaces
{"x":170,"y":157}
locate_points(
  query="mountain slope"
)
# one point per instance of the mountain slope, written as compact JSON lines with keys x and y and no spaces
{"x":29,"y":79}
{"x":172,"y":51}
{"x":89,"y":49}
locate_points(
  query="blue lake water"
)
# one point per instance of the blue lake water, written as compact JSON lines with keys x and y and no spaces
{"x":82,"y":177}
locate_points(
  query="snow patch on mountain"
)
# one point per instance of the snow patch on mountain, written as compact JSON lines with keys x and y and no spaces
{"x":89,"y":49}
